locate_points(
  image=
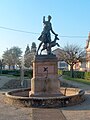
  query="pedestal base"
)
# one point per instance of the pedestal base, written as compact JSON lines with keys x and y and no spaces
{"x":44,"y":87}
{"x":45,"y":76}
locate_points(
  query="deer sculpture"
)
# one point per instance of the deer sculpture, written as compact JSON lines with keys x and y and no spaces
{"x":52,"y":44}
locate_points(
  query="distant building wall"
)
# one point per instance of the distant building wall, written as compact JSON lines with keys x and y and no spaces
{"x":62,"y":65}
{"x":88,"y":54}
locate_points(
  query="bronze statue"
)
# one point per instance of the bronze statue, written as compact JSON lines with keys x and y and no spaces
{"x":45,"y":36}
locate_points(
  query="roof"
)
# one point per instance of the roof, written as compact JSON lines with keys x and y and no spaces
{"x":57,"y":52}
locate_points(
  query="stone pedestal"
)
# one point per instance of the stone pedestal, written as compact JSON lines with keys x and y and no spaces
{"x":45,"y":76}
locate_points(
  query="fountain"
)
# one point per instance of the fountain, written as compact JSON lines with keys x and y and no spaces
{"x":45,"y":88}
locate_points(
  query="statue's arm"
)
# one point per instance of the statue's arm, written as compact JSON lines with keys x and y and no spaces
{"x":53,"y":31}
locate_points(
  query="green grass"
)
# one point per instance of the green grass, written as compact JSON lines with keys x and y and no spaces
{"x":12,"y":76}
{"x":9,"y":75}
{"x":77,"y":80}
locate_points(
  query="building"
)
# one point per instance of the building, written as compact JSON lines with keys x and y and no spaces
{"x":88,"y":53}
{"x":62,"y":65}
{"x":80,"y":66}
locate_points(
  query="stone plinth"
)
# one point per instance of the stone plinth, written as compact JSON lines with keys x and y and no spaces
{"x":45,"y":78}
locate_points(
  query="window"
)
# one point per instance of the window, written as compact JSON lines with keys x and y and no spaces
{"x":63,"y":65}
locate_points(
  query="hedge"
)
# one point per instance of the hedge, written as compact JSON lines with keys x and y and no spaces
{"x":10,"y":72}
{"x":77,"y":74}
{"x":66,"y":73}
{"x":28,"y":73}
{"x":87,"y":75}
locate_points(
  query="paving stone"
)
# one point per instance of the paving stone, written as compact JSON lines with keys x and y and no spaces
{"x":47,"y":114}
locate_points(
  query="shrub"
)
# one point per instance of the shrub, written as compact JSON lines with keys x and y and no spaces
{"x":77,"y":74}
{"x":59,"y":72}
{"x":87,"y":75}
{"x":66,"y":73}
{"x":9,"y":72}
{"x":27,"y":73}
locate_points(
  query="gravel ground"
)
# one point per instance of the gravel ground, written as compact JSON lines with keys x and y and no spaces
{"x":8,"y":112}
{"x":77,"y":112}
{"x":12,"y":84}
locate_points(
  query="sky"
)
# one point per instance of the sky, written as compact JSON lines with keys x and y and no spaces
{"x":70,"y":20}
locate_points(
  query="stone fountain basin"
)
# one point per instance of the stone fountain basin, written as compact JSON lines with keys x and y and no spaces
{"x":20,"y":97}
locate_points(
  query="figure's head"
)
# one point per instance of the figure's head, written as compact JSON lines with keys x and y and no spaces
{"x":49,"y":17}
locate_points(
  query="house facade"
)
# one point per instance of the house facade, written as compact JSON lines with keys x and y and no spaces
{"x":88,"y":53}
{"x":62,"y":65}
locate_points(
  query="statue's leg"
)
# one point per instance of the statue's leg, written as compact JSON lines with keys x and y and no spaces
{"x":44,"y":47}
{"x":49,"y":48}
{"x":41,"y":51}
{"x":57,"y":44}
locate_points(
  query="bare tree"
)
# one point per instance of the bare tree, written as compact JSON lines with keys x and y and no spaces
{"x":28,"y":60}
{"x":29,"y":55}
{"x":71,"y":54}
{"x":11,"y":56}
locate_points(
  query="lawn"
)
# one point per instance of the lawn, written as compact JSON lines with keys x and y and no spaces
{"x":77,"y":80}
{"x":8,"y":75}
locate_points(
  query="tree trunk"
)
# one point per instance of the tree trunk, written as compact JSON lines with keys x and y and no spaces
{"x":1,"y":69}
{"x":13,"y":67}
{"x":71,"y":71}
{"x":9,"y":67}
